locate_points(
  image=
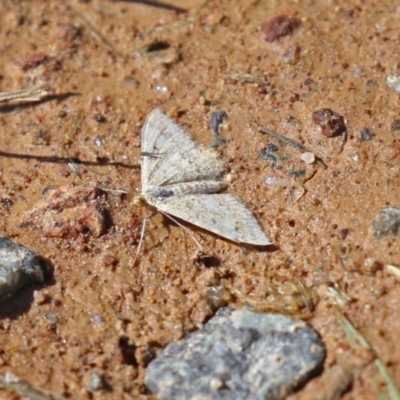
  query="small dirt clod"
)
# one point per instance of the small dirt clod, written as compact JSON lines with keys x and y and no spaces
{"x":331,"y":123}
{"x":279,"y":26}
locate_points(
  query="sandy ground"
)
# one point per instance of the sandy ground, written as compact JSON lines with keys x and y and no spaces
{"x":108,"y":64}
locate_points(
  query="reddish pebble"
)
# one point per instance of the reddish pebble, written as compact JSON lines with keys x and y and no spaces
{"x":69,"y":33}
{"x":109,"y":260}
{"x":331,"y":123}
{"x":32,"y":61}
{"x":279,"y":26}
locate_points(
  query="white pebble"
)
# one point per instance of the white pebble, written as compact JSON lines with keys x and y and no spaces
{"x":275,"y":181}
{"x":161,"y":89}
{"x":308,"y":157}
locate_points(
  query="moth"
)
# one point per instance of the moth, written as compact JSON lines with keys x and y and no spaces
{"x":183,"y":179}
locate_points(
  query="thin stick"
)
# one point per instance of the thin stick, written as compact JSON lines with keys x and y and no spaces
{"x":118,"y":191}
{"x":289,"y":142}
{"x":353,"y":335}
{"x":246,"y":78}
{"x":100,"y":36}
{"x":35,"y":93}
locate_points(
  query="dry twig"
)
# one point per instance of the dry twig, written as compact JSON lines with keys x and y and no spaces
{"x":32,"y":94}
{"x":246,"y":78}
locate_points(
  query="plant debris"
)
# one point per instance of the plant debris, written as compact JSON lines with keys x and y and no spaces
{"x":29,"y":95}
{"x":246,"y":78}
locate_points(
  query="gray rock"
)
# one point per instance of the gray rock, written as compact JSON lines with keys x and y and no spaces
{"x":387,"y":222}
{"x":18,"y":267}
{"x":238,"y":355}
{"x":393,"y":82}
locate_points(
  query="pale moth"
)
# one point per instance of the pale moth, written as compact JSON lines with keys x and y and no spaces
{"x":181,"y":178}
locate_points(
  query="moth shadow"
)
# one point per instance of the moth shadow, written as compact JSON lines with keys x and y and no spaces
{"x":20,"y":302}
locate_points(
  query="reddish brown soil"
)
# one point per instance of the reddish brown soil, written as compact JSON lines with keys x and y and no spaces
{"x":110,"y":313}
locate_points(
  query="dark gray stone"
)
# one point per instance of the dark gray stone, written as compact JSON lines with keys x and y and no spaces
{"x":238,"y":355}
{"x":387,"y":222}
{"x":19,"y":266}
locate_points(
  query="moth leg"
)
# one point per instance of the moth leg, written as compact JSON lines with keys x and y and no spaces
{"x":185,"y":229}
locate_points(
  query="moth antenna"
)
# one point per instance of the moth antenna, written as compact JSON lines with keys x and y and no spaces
{"x":187,"y":230}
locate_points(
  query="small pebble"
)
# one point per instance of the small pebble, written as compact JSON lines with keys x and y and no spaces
{"x":18,"y":267}
{"x":308,"y":82}
{"x":238,"y":355}
{"x":272,"y":147}
{"x":98,"y":99}
{"x":9,"y":377}
{"x":275,"y":181}
{"x":32,"y":61}
{"x":217,"y":298}
{"x":96,"y":318}
{"x":355,"y":156}
{"x":296,"y":193}
{"x":264,"y":155}
{"x":161,"y":89}
{"x":291,"y":56}
{"x":366,"y":134}
{"x":69,"y":32}
{"x":96,"y":382}
{"x":99,"y":118}
{"x":6,"y":202}
{"x":389,"y":152}
{"x":387,"y":222}
{"x":51,"y":317}
{"x":41,"y":137}
{"x":98,"y":141}
{"x":307,"y":157}
{"x":131,"y":80}
{"x":395,"y":126}
{"x":298,"y":173}
{"x":330,"y":122}
{"x":279,"y":26}
{"x":371,"y":266}
{"x":393,"y":82}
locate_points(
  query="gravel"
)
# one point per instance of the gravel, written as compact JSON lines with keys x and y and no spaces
{"x":238,"y":355}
